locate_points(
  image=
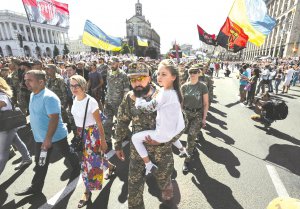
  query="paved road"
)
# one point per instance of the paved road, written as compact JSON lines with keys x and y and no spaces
{"x":239,"y":165}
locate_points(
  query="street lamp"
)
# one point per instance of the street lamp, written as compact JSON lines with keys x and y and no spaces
{"x":131,"y":29}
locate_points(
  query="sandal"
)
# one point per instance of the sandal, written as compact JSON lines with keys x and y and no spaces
{"x":167,"y":193}
{"x":83,"y":203}
{"x":111,"y":172}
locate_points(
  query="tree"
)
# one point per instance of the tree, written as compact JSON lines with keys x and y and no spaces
{"x":126,"y":49}
{"x":55,"y":51}
{"x":66,"y":49}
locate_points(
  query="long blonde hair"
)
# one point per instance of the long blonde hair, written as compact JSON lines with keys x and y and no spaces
{"x":5,"y":88}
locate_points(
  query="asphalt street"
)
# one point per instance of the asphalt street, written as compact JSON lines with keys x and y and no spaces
{"x":239,"y":164}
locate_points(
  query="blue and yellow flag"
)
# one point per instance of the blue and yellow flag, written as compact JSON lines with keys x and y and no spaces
{"x":142,"y":41}
{"x":95,"y":37}
{"x":252,"y":17}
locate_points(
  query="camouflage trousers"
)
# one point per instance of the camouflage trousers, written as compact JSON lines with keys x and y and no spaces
{"x":110,"y":110}
{"x":192,"y":129}
{"x":160,"y":155}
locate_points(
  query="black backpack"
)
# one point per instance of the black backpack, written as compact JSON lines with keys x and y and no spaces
{"x":280,"y":110}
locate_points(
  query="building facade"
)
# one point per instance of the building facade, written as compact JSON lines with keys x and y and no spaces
{"x":76,"y":46}
{"x":139,"y":26}
{"x":284,"y":39}
{"x":39,"y":41}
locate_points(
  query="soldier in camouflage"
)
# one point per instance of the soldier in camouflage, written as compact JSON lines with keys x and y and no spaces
{"x":160,"y":154}
{"x":195,"y":106}
{"x":117,"y":87}
{"x":15,"y":78}
{"x":23,"y":95}
{"x":55,"y":83}
{"x":203,"y":77}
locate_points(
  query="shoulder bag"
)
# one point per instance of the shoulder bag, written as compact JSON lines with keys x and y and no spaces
{"x":10,"y":119}
{"x":77,"y":141}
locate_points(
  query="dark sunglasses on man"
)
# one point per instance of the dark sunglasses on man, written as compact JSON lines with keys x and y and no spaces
{"x":194,"y":72}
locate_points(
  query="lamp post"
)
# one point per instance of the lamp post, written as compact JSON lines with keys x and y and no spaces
{"x":131,"y":28}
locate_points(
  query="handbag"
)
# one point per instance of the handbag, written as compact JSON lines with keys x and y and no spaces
{"x":10,"y":119}
{"x":77,"y":141}
{"x":248,"y":87}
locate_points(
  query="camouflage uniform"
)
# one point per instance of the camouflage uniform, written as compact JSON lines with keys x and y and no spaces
{"x":15,"y":84}
{"x":23,"y":96}
{"x":209,"y":83}
{"x":103,"y":69}
{"x":117,"y":87}
{"x":192,"y":106}
{"x":58,"y":86}
{"x":160,"y":155}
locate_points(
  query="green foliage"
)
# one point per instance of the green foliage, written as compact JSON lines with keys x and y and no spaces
{"x":66,"y":49}
{"x":55,"y":51}
{"x":126,"y":49}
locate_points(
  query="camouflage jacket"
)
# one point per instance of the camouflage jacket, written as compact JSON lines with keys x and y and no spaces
{"x":58,"y":86}
{"x":117,"y":86}
{"x":140,"y":120}
{"x":209,"y":83}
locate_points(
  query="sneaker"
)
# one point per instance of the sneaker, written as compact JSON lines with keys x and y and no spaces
{"x":23,"y":164}
{"x":151,"y":169}
{"x":183,"y":153}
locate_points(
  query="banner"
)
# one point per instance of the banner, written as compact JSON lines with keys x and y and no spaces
{"x":95,"y":37}
{"x":142,"y":41}
{"x":232,"y":37}
{"x":205,"y":37}
{"x":47,"y":12}
{"x":252,"y":17}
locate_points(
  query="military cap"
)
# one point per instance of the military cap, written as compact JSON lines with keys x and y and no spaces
{"x":114,"y":59}
{"x":5,"y":69}
{"x":141,"y":58}
{"x":196,"y":67}
{"x":37,"y":62}
{"x":15,"y":61}
{"x":138,"y":68}
{"x":26,"y":63}
{"x":51,"y":66}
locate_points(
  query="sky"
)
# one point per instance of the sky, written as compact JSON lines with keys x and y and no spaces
{"x":172,"y":20}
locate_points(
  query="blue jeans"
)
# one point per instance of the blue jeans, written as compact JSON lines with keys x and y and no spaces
{"x":277,"y":83}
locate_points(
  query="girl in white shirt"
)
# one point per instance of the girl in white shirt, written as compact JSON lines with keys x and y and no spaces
{"x":169,"y":119}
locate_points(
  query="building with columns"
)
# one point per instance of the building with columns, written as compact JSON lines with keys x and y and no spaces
{"x":76,"y":46}
{"x":284,"y":39}
{"x":137,"y":25}
{"x":39,"y":41}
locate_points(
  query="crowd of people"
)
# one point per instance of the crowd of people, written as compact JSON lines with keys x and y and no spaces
{"x":66,"y":95}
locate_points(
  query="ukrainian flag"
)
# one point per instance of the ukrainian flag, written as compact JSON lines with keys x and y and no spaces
{"x":252,"y":17}
{"x":142,"y":41}
{"x":95,"y":37}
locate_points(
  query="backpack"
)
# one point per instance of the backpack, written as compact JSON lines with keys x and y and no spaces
{"x":280,"y":110}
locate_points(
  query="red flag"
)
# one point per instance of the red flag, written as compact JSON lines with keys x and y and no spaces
{"x":232,"y":37}
{"x":47,"y":12}
{"x":205,"y":37}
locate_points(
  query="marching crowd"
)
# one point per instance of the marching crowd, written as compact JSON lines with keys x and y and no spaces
{"x":69,"y":94}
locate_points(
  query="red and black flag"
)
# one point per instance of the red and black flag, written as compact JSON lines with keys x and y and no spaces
{"x":205,"y":37}
{"x":47,"y":12}
{"x":232,"y":37}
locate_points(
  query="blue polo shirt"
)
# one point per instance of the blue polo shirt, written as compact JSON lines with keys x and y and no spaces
{"x":41,"y":105}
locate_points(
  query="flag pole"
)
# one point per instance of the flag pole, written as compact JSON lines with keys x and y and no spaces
{"x":29,"y":24}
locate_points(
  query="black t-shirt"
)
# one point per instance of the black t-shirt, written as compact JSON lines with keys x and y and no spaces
{"x":268,"y":107}
{"x":84,"y":73}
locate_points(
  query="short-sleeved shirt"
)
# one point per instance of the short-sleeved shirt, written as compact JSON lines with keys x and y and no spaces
{"x":78,"y":111}
{"x":244,"y":82}
{"x":193,"y":95}
{"x":41,"y":105}
{"x":4,"y":98}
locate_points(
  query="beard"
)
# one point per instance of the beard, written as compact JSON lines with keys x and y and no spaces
{"x":140,"y":91}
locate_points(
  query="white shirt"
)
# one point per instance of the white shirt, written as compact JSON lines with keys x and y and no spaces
{"x":169,"y":119}
{"x":289,"y":74}
{"x":4,"y":98}
{"x":78,"y":110}
{"x":265,"y":74}
{"x":249,"y":72}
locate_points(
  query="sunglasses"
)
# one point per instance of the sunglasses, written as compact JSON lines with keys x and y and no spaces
{"x":75,"y":86}
{"x":194,"y":72}
{"x":139,"y":79}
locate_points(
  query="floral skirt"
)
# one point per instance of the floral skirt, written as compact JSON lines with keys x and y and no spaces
{"x":93,"y":164}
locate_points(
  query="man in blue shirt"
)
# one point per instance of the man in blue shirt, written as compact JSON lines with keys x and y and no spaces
{"x":48,"y":129}
{"x":243,"y":82}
